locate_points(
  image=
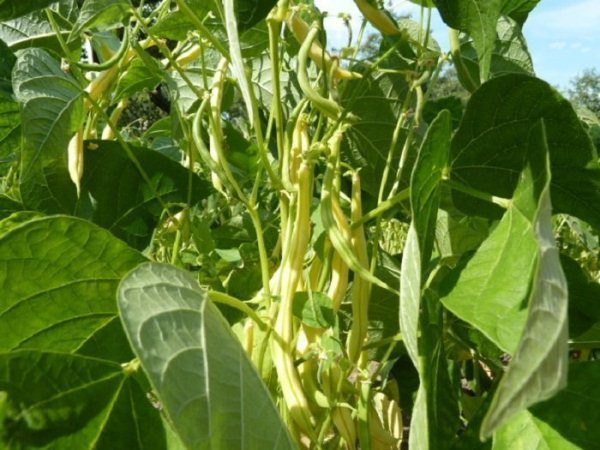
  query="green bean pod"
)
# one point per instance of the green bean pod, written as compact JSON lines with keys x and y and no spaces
{"x":361,"y":288}
{"x":340,"y":242}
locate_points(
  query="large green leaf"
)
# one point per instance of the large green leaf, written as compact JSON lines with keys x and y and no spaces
{"x":549,"y":426}
{"x":122,"y":200}
{"x":207,"y":385}
{"x":52,"y":112}
{"x":63,"y":401}
{"x":434,"y":417}
{"x":58,"y":278}
{"x":478,"y":18}
{"x":538,"y":368}
{"x":8,"y":206}
{"x":488,"y":150}
{"x":11,"y":9}
{"x":10,"y":129}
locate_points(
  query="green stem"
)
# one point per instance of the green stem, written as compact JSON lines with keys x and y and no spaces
{"x":461,"y":70}
{"x":226,"y":299}
{"x":501,"y":202}
{"x":383,"y":207}
{"x":205,"y":32}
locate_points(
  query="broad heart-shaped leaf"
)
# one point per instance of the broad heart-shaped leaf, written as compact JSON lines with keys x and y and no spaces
{"x":478,"y":18}
{"x":538,"y":368}
{"x":510,"y":54}
{"x":58,"y":279}
{"x":430,"y":426}
{"x":11,"y":9}
{"x":207,"y":385}
{"x":52,"y":112}
{"x":100,"y":15}
{"x":122,"y":200}
{"x":488,"y":150}
{"x":65,"y":401}
{"x":548,"y":425}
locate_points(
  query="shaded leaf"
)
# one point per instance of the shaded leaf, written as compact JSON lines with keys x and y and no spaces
{"x":59,"y":401}
{"x":122,"y":200}
{"x":207,"y":385}
{"x":11,"y":9}
{"x":488,"y":150}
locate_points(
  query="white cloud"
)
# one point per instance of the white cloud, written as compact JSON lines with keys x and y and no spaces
{"x":557,"y":45}
{"x":580,"y":16}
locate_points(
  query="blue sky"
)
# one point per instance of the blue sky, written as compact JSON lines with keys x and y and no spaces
{"x":563,"y":35}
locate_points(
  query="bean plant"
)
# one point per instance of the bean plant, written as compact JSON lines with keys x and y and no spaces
{"x":218,"y":233}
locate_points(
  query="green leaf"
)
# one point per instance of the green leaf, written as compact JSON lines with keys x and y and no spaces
{"x":584,"y":303}
{"x":52,"y":112}
{"x":478,"y":18}
{"x":138,"y":77}
{"x":10,"y":129}
{"x":8,"y":206}
{"x":11,"y":9}
{"x":488,"y":150}
{"x":207,"y":385}
{"x":377,"y":101}
{"x":34,"y":30}
{"x":314,"y":309}
{"x":547,"y":426}
{"x":538,"y":368}
{"x":510,"y":54}
{"x":59,"y":401}
{"x":122,"y":200}
{"x":101,"y":15}
{"x":58,"y":278}
{"x":425,"y":197}
{"x":434,"y":417}
{"x":518,"y":9}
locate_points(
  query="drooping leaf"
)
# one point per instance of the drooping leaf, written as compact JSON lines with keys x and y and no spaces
{"x":11,"y":9}
{"x":478,"y":18}
{"x":138,"y":77}
{"x":546,"y":425}
{"x":52,"y":112}
{"x":60,"y":400}
{"x":207,"y":385}
{"x":100,"y":15}
{"x":538,"y":368}
{"x":124,"y":203}
{"x":488,"y":150}
{"x":58,"y":278}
